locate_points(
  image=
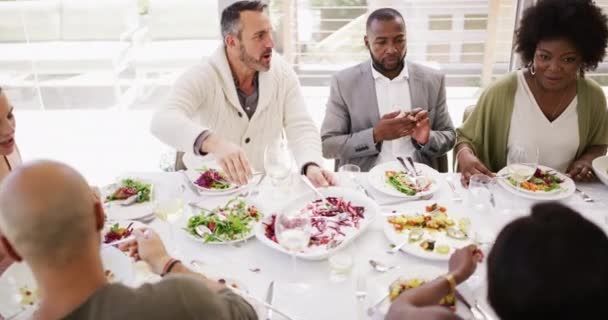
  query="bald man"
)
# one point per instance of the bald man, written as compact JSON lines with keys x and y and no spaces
{"x":50,"y":220}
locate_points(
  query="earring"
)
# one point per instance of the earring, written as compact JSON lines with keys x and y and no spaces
{"x":532,"y":69}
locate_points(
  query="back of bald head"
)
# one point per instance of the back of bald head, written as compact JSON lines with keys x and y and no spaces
{"x":47,"y":212}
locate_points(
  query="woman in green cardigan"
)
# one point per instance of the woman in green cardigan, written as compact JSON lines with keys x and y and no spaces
{"x":549,"y":109}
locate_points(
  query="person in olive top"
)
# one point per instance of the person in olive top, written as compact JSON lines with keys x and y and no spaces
{"x":549,"y":112}
{"x":50,"y":219}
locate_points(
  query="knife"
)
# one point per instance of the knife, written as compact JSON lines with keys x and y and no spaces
{"x":190,"y":184}
{"x":474,"y":311}
{"x":269,"y":299}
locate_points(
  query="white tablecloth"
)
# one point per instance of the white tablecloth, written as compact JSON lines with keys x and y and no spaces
{"x":323,"y":299}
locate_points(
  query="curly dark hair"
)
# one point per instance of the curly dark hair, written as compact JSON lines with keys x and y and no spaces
{"x":579,"y":21}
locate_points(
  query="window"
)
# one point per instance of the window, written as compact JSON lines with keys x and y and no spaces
{"x":475,"y":21}
{"x":472,"y":53}
{"x":438,"y":52}
{"x":440,"y":22}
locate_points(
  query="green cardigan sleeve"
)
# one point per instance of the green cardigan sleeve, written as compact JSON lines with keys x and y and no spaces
{"x":486,"y":130}
{"x":593,"y":115}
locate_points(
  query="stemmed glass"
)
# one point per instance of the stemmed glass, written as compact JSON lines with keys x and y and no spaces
{"x":293,"y":231}
{"x":521,"y":164}
{"x":170,"y":210}
{"x":348,"y":173}
{"x":278,"y":162}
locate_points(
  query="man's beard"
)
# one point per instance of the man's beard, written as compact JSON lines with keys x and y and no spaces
{"x":252,"y":62}
{"x":380,"y":67}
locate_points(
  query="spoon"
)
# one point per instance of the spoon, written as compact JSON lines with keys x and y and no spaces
{"x":381,"y":267}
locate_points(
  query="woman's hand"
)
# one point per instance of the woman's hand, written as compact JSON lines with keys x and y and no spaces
{"x":470,"y":165}
{"x":581,"y":170}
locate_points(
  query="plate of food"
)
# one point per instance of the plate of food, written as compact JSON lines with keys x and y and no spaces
{"x":430,"y":230}
{"x":233,"y":222}
{"x":129,"y":199}
{"x":397,"y":281}
{"x":540,"y":183}
{"x":119,"y":231}
{"x":600,"y":167}
{"x":392,"y":179}
{"x":211,"y":180}
{"x":335,"y":222}
{"x":18,"y":289}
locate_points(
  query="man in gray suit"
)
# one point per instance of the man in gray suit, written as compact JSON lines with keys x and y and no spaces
{"x":388,"y":106}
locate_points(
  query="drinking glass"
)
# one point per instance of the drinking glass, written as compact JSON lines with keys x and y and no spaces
{"x":293,"y":233}
{"x":278,"y":162}
{"x":521,"y":163}
{"x":170,"y":210}
{"x":481,"y":194}
{"x":348,"y":173}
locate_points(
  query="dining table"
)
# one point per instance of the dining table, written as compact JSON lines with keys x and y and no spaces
{"x":307,"y":289}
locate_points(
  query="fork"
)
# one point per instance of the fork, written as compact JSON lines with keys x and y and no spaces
{"x":361,"y":291}
{"x":456,"y":197}
{"x":585,"y":196}
{"x":256,"y":188}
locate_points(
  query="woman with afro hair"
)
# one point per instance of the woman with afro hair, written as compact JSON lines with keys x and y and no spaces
{"x":549,"y":111}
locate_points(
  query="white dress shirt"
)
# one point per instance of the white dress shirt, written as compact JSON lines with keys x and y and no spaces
{"x":393,"y":95}
{"x":557,"y":141}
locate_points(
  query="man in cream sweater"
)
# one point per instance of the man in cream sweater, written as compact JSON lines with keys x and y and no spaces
{"x":240,"y":100}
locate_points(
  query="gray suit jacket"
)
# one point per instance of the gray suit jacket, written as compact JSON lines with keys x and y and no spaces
{"x":352,"y":112}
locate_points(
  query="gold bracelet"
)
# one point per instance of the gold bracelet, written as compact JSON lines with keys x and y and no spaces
{"x":450,"y":278}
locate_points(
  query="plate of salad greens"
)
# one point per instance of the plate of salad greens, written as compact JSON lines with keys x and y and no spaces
{"x":233,"y":222}
{"x":544,"y":184}
{"x":392,"y":179}
{"x":211,"y":180}
{"x":130,"y":198}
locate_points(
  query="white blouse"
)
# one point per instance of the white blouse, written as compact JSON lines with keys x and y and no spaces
{"x":557,"y":141}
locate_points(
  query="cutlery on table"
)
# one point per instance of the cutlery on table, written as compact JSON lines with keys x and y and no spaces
{"x":199,"y":264}
{"x":398,"y":247}
{"x":474,"y":311}
{"x":315,"y":190}
{"x":456,"y":197}
{"x":381,"y":267}
{"x":585,"y":196}
{"x":256,"y":187}
{"x":360,"y":186}
{"x":484,"y":313}
{"x":190,"y":184}
{"x":269,"y":300}
{"x":372,"y":309}
{"x":411,"y":162}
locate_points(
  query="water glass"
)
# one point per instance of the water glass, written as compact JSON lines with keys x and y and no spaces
{"x":278,"y":162}
{"x":347,"y":175}
{"x":481,"y":189}
{"x":521,"y":163}
{"x":293,"y":231}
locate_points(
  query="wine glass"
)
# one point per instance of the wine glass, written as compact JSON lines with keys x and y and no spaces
{"x":293,"y":232}
{"x":348,"y":173}
{"x":278,"y":162}
{"x":521,"y":164}
{"x":170,"y":210}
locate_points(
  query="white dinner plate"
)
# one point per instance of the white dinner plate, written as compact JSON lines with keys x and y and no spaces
{"x":411,"y":208}
{"x":377,"y":178}
{"x":193,"y":175}
{"x":19,"y":275}
{"x":322,"y":252}
{"x":115,"y":211}
{"x":253,"y":225}
{"x":380,"y":285}
{"x":567,"y":187}
{"x":600,"y":167}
